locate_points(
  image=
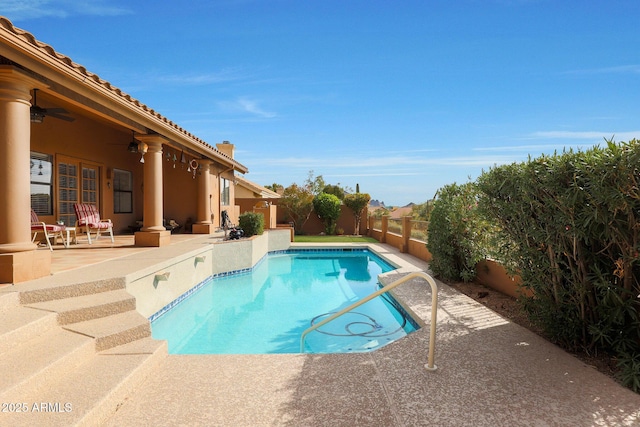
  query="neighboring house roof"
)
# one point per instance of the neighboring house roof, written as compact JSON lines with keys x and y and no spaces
{"x":258,"y":190}
{"x":73,"y":83}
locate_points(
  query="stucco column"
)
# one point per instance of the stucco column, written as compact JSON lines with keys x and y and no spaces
{"x":385,"y":228}
{"x":19,"y":260}
{"x":15,"y":143}
{"x":204,"y":221}
{"x":152,"y":215}
{"x":406,"y":233}
{"x":153,"y":233}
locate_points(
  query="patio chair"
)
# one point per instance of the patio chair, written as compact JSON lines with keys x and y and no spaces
{"x":49,"y":230}
{"x":88,"y":220}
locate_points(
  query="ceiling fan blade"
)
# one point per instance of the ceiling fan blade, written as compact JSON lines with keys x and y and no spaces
{"x":56,"y":111}
{"x":59,"y":116}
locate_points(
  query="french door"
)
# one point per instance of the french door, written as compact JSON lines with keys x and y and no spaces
{"x":78,"y":182}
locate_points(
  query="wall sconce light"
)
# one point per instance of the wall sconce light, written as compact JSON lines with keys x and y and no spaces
{"x":133,"y":145}
{"x":37,"y":113}
{"x":142,"y":148}
{"x":199,"y":259}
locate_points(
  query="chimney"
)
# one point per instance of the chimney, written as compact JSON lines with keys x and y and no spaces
{"x":226,"y":148}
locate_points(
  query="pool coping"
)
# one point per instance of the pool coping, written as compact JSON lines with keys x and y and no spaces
{"x":400,"y":266}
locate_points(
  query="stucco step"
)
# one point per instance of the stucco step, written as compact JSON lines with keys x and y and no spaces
{"x":8,"y":300}
{"x":114,"y":330}
{"x":87,"y":307}
{"x":37,"y":292}
{"x":91,"y":392}
{"x":20,"y":324}
{"x":27,"y":366}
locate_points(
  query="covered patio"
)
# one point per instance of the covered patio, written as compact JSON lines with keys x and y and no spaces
{"x":68,"y":137}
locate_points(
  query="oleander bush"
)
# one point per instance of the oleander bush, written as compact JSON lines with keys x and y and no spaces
{"x":457,"y":233}
{"x":569,"y":225}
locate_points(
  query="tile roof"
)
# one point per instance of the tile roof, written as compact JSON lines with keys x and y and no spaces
{"x":60,"y":59}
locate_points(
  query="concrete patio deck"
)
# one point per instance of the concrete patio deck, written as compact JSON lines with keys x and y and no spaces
{"x":490,"y":372}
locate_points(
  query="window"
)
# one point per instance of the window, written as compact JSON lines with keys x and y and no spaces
{"x":89,"y":185}
{"x":78,"y":182}
{"x":122,"y":191}
{"x":42,"y":183}
{"x":224,"y":192}
{"x":67,"y":191}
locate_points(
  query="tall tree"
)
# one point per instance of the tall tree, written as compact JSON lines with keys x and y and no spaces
{"x":275,"y":187}
{"x":336,"y":190}
{"x":298,"y":202}
{"x":357,"y":202}
{"x":315,"y":184}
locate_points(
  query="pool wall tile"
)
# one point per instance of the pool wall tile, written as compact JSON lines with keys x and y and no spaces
{"x":190,"y":292}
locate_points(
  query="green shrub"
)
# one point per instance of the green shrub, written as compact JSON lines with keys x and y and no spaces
{"x":457,"y":233}
{"x":327,"y":206}
{"x":569,"y":224}
{"x":252,"y":223}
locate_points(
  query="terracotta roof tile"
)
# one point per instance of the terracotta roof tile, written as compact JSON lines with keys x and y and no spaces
{"x":7,"y":25}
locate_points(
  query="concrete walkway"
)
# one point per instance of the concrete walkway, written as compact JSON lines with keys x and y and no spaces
{"x":490,"y":373}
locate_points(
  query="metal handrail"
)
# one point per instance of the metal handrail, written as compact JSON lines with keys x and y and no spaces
{"x":434,"y":306}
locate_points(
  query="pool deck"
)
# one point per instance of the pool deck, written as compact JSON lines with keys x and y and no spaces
{"x":491,"y":372}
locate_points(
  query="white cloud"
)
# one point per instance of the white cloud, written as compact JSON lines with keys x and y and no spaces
{"x":246,"y":105}
{"x":381,"y":163}
{"x":595,"y":137}
{"x":18,"y":10}
{"x":562,"y":140}
{"x":519,"y":148}
{"x":225,"y":75}
{"x":571,"y":135}
{"x":251,"y":106}
{"x":373,"y":174}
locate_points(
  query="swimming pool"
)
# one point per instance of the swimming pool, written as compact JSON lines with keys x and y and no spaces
{"x":266,"y":309}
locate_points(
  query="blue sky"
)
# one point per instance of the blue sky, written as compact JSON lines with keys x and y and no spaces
{"x":401,"y":97}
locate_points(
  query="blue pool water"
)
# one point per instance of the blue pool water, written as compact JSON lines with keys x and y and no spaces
{"x":266,"y":309}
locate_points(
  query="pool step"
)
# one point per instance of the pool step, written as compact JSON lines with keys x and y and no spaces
{"x":19,"y":324}
{"x":114,"y":330}
{"x":36,"y":292}
{"x":27,"y":366}
{"x":88,"y":307}
{"x":72,"y":353}
{"x":93,"y":390}
{"x":8,"y":300}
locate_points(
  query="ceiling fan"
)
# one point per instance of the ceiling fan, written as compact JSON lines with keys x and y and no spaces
{"x":38,"y":113}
